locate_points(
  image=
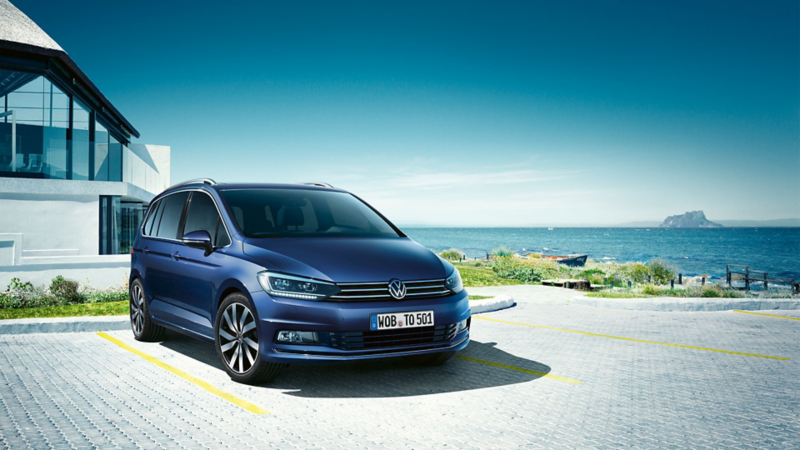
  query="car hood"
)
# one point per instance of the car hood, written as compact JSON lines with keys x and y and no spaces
{"x":348,"y":259}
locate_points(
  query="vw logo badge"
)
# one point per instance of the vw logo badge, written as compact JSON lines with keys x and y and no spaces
{"x":397,"y":289}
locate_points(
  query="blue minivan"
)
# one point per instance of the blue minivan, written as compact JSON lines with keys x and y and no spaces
{"x":276,"y":274}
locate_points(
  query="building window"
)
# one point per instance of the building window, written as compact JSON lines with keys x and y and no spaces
{"x":131,"y":221}
{"x":110,"y":224}
{"x":42,"y":112}
{"x":101,"y":166}
{"x":80,"y":141}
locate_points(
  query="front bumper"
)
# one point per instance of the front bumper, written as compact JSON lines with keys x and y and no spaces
{"x":334,"y":319}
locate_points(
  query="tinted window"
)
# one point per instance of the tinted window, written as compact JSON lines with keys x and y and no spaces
{"x":148,"y":224}
{"x":171,"y":216}
{"x":203,"y":215}
{"x":303,"y":213}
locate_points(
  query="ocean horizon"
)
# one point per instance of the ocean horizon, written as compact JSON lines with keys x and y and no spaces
{"x":693,"y":251}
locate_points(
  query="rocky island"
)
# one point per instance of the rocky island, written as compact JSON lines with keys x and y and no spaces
{"x":693,"y":219}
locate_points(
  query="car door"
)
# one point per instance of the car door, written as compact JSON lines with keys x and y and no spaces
{"x":158,"y":248}
{"x":198,"y":275}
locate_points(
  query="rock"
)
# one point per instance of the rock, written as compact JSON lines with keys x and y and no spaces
{"x":693,"y":219}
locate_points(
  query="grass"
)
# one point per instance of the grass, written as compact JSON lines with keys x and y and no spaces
{"x":478,"y":297}
{"x":86,"y":309}
{"x":473,"y":276}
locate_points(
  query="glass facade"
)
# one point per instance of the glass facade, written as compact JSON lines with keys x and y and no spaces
{"x":131,"y":221}
{"x":80,"y":141}
{"x":42,"y":115}
{"x":59,"y":136}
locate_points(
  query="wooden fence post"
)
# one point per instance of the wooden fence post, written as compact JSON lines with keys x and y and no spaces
{"x":672,"y":283}
{"x":766,"y":286}
{"x":703,"y":281}
{"x":747,"y":279}
{"x":680,"y":278}
{"x":728,"y":274}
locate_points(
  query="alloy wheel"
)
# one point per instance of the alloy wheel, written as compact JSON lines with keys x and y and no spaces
{"x":238,"y":339}
{"x":137,"y":314}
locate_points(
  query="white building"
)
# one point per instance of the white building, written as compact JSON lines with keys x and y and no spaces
{"x":72,"y":185}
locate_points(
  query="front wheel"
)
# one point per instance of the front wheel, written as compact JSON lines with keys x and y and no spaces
{"x":431,"y":359}
{"x":236,"y":337}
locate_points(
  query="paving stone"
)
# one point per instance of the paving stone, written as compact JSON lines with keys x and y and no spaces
{"x":77,"y":390}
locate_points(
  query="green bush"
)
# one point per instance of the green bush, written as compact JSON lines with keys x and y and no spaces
{"x":526,"y":270}
{"x":66,"y":289}
{"x":60,"y":292}
{"x":502,"y":251}
{"x":661,"y":271}
{"x":638,"y":272}
{"x":650,"y":289}
{"x":452,"y":254}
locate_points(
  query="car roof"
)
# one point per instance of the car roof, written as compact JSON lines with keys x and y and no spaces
{"x":237,"y":186}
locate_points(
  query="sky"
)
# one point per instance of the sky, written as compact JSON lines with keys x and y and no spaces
{"x":464,"y":113}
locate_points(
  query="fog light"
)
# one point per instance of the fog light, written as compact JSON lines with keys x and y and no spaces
{"x":462,"y":325}
{"x":297,"y":337}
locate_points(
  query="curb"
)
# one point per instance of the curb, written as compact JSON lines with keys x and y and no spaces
{"x":65,"y":325}
{"x":688,"y":304}
{"x":492,"y":304}
{"x":114,"y":323}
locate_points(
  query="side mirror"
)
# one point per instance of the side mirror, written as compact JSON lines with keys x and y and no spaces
{"x":198,"y":239}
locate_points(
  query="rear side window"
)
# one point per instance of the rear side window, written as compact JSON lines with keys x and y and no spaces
{"x":171,"y":216}
{"x":203,"y":215}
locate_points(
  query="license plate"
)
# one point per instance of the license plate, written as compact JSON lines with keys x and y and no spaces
{"x":392,"y":321}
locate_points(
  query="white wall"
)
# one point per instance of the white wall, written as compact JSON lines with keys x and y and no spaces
{"x":60,"y":224}
{"x":99,"y":271}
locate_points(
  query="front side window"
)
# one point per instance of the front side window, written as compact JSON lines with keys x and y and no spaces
{"x":271,"y":213}
{"x":167,"y":228}
{"x":203,"y":215}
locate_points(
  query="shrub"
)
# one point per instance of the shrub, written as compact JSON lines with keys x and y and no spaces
{"x":650,"y":289}
{"x":66,"y":289}
{"x":17,"y":285}
{"x":588,"y":275}
{"x":526,"y":270}
{"x":638,"y":272}
{"x":661,"y":271}
{"x":452,"y":254}
{"x":710,"y":292}
{"x":502,"y":251}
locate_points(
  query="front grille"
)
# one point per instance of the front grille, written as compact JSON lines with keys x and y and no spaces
{"x":356,"y":292}
{"x":382,"y":339}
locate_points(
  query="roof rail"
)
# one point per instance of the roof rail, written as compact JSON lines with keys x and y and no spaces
{"x":316,"y":183}
{"x":207,"y":181}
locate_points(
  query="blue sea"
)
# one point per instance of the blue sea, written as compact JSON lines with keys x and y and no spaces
{"x":693,"y":251}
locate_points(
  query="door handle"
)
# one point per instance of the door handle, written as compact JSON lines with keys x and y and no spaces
{"x":176,"y":256}
{"x":146,"y":251}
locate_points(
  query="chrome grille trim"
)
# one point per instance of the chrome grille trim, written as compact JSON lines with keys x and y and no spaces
{"x":354,"y":291}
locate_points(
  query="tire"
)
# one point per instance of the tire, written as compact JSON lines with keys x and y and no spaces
{"x":432,"y":359}
{"x":236,"y":341}
{"x":142,"y":326}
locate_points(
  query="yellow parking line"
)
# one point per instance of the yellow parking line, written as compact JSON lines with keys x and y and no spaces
{"x":768,"y":315}
{"x":235,"y":400}
{"x":644,"y":341}
{"x":519,"y":369}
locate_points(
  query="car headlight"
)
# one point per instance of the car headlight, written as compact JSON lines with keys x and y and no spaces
{"x":289,"y":286}
{"x":453,"y":282}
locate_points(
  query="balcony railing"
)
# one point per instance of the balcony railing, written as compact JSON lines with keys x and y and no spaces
{"x":63,"y":159}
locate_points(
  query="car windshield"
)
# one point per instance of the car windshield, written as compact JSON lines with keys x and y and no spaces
{"x":274,"y":213}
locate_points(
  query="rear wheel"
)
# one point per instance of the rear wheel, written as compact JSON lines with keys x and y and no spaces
{"x":143,"y":328}
{"x":236,"y":337}
{"x":431,"y":359}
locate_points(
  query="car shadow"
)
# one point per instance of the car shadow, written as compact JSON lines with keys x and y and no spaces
{"x":386,"y":377}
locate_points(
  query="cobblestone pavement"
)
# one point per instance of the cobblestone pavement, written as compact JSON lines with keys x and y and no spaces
{"x":79,"y":390}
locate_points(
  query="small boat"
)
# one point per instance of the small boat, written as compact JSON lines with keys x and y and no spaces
{"x":550,"y":229}
{"x":571,"y":260}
